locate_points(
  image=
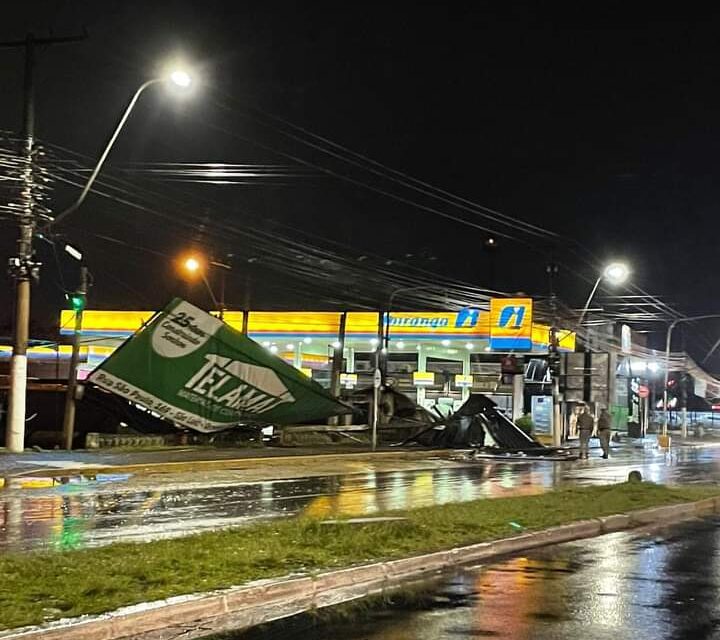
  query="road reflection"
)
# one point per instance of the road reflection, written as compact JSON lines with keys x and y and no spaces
{"x":646,"y":586}
{"x":74,"y":515}
{"x":84,"y":511}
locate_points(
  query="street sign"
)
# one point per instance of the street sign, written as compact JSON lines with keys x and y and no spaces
{"x":542,"y":413}
{"x":423,"y":378}
{"x":348,"y":380}
{"x":643,"y":391}
{"x":463,"y":381}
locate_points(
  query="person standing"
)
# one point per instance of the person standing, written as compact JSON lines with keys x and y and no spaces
{"x":585,"y":426}
{"x":603,"y":429}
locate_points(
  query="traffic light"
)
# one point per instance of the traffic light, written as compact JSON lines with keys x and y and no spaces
{"x":554,"y":363}
{"x":553,"y":358}
{"x":76,"y":301}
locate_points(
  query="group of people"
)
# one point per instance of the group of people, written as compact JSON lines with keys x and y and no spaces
{"x":586,"y":426}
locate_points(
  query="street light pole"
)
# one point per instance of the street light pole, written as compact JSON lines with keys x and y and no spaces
{"x":421,"y":287}
{"x":194,"y":265}
{"x":215,"y":302}
{"x":23,"y":267}
{"x":108,"y":147}
{"x":589,"y":300}
{"x":668,"y":339}
{"x":615,"y":273}
{"x":224,"y":268}
{"x":178,"y":78}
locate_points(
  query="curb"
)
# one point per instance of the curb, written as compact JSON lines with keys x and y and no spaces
{"x":263,"y":601}
{"x":235,"y":463}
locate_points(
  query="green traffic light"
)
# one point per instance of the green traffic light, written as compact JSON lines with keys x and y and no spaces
{"x":77,"y":302}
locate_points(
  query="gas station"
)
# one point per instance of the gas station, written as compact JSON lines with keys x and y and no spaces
{"x":437,"y":358}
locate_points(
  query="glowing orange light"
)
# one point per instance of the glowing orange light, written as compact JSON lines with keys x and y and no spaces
{"x":192,"y":264}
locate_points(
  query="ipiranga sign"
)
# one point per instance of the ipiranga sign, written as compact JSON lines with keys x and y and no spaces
{"x":197,"y":372}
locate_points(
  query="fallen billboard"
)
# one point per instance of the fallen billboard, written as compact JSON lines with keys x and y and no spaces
{"x":195,"y":371}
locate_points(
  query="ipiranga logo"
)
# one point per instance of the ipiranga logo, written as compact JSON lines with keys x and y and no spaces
{"x":237,"y":385}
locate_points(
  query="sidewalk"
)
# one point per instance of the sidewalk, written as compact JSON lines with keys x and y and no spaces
{"x":650,"y":442}
{"x":179,"y":459}
{"x":50,"y":463}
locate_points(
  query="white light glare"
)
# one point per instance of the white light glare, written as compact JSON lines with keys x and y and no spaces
{"x":374,"y":342}
{"x":266,"y":344}
{"x":307,"y":340}
{"x":336,"y":344}
{"x":73,"y":251}
{"x":445,"y":343}
{"x":181,"y":78}
{"x":400,"y":345}
{"x":290,"y":346}
{"x":468,"y":345}
{"x":273,"y":349}
{"x":616,"y":272}
{"x":654,"y":366}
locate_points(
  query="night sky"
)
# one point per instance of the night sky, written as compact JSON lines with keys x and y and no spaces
{"x":600,"y":127}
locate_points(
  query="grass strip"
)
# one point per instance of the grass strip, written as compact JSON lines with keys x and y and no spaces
{"x":37,"y":587}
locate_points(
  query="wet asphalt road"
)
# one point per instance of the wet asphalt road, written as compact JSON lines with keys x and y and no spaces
{"x":641,"y":586}
{"x":108,"y":508}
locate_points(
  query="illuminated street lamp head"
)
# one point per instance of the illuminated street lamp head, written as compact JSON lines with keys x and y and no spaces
{"x":616,"y":273}
{"x":192,"y":265}
{"x":180,"y":78}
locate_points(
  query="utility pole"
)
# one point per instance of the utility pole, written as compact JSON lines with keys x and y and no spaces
{"x":337,"y":359}
{"x":222,"y":295}
{"x":246,"y":300}
{"x":377,"y":382}
{"x":77,"y":300}
{"x":554,"y":358}
{"x":22,"y":267}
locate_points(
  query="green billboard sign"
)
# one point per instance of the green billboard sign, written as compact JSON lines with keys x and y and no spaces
{"x":197,"y":372}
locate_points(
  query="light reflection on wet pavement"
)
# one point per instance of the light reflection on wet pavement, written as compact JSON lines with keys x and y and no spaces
{"x":648,"y":586}
{"x":95,"y":511}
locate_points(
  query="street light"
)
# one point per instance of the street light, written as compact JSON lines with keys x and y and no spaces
{"x":192,"y":264}
{"x":15,"y":421}
{"x":668,"y":338}
{"x":615,"y":273}
{"x":195,"y":265}
{"x":178,"y":78}
{"x":181,"y":78}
